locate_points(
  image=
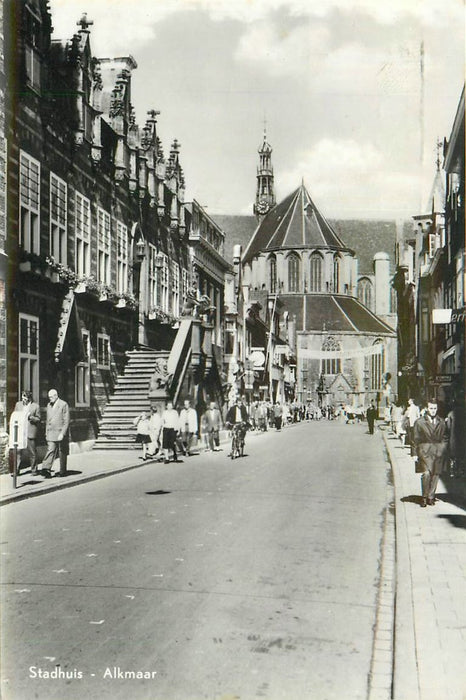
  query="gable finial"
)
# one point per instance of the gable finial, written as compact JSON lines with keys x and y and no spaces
{"x":85,"y":23}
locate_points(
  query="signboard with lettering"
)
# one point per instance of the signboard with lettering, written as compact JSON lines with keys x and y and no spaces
{"x":441,"y":316}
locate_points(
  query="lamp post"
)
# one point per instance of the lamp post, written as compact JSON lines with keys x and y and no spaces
{"x":15,"y":451}
{"x":141,"y":264}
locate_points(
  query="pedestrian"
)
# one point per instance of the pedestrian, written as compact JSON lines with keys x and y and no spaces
{"x":170,"y":430}
{"x":188,"y":426}
{"x":430,"y":437}
{"x":371,"y":415}
{"x":143,"y":433}
{"x":56,"y":434}
{"x":397,"y":420}
{"x":29,"y":412}
{"x":212,"y":422}
{"x":412,"y":413}
{"x":277,"y":415}
{"x":155,"y":429}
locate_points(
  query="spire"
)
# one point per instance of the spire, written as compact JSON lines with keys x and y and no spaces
{"x":265,"y":193}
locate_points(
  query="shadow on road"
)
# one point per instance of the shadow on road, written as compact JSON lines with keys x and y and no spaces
{"x":157,"y":493}
{"x":454,"y":497}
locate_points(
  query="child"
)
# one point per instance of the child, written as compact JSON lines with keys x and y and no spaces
{"x":143,"y":433}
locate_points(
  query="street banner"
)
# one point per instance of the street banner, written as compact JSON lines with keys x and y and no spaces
{"x":340,"y":354}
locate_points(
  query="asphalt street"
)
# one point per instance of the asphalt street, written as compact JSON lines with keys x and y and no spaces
{"x":210,"y":578}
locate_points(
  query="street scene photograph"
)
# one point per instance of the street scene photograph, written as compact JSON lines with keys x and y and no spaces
{"x":232,"y":350}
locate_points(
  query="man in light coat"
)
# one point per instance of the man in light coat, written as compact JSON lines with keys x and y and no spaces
{"x":56,"y":433}
{"x":211,"y":424}
{"x":430,"y":437}
{"x":31,"y":417}
{"x":188,"y":426}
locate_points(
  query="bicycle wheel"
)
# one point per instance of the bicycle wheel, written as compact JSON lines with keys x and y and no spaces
{"x":241,"y":449}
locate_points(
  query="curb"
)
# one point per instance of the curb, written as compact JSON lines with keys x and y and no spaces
{"x":405,"y":672}
{"x":48,"y":487}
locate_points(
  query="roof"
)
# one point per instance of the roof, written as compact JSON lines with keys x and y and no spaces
{"x":293,"y":223}
{"x":238,"y":231}
{"x":368,"y":237}
{"x":334,"y":313}
{"x":365,"y":236}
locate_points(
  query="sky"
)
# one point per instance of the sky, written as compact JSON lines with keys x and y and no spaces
{"x":354,"y":94}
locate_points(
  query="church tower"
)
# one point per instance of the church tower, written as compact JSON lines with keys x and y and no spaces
{"x":265,"y":194}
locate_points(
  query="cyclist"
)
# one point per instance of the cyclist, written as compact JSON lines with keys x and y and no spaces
{"x":237,"y":419}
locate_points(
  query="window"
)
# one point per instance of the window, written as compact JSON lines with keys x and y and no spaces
{"x":315,"y":279}
{"x":83,"y":373}
{"x":365,"y":292}
{"x":153,"y":277}
{"x":32,"y":27}
{"x":122,"y":258}
{"x":331,"y":365}
{"x":336,"y":273}
{"x":28,"y":355}
{"x":184,"y":285}
{"x":175,"y":289}
{"x":377,"y":368}
{"x":58,"y":210}
{"x":293,"y":273}
{"x":103,"y":246}
{"x":103,"y":351}
{"x":29,"y":195}
{"x":163,"y":278}
{"x":273,"y":274}
{"x":83,"y":235}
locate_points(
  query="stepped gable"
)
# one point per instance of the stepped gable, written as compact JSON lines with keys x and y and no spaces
{"x":293,"y":223}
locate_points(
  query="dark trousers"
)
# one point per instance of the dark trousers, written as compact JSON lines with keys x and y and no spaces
{"x":370,"y":423}
{"x":56,"y":449}
{"x":429,"y":481}
{"x":278,"y":422}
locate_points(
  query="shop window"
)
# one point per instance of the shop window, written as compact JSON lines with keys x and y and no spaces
{"x":28,"y":355}
{"x":83,"y":374}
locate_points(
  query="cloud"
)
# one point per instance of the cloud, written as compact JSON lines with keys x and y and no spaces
{"x":346,"y":178}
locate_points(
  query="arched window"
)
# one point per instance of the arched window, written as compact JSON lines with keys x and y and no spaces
{"x":336,"y":273}
{"x":272,"y":274}
{"x":294,"y":284}
{"x":330,"y":365}
{"x":365,"y":292}
{"x":315,"y":277}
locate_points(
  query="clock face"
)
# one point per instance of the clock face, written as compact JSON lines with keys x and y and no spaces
{"x":262,"y":206}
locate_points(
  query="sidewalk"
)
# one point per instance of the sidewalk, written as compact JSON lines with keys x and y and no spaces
{"x":430,"y":612}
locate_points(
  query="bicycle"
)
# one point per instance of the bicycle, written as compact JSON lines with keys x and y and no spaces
{"x":238,"y":433}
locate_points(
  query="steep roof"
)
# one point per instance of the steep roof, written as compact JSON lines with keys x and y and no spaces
{"x":238,"y":231}
{"x":334,"y":313}
{"x":293,"y":223}
{"x":368,"y":237}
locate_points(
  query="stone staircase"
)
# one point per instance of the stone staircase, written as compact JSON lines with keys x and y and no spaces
{"x":131,"y":396}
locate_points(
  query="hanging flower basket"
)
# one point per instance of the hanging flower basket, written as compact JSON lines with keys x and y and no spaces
{"x":80,"y":288}
{"x":121,"y":303}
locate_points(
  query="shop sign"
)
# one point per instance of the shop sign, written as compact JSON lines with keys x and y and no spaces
{"x":441,"y":316}
{"x":442,"y":379}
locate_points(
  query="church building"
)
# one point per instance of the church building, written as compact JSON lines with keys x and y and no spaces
{"x":345,"y":348}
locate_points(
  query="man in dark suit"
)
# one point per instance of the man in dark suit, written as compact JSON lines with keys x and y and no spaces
{"x":371,"y":415}
{"x":430,"y":438}
{"x":56,"y":434}
{"x":31,"y":413}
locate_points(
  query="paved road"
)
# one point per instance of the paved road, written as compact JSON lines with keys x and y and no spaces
{"x":253,"y":578}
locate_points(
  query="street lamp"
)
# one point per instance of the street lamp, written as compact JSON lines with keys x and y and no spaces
{"x":140,"y":250}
